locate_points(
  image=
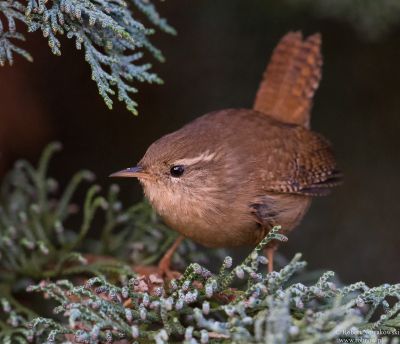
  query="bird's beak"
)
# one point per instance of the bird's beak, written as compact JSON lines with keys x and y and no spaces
{"x":130,"y":172}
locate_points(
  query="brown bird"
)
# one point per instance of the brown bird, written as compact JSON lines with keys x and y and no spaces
{"x":228,"y":177}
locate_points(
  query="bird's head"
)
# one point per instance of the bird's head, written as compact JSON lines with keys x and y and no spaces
{"x":178,"y":168}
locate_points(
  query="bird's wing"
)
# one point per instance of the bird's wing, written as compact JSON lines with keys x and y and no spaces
{"x":304,"y":165}
{"x":291,"y":79}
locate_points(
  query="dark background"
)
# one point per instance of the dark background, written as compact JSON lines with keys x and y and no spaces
{"x":216,"y":62}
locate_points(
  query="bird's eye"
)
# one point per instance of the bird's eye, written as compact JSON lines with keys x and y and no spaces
{"x":177,"y":170}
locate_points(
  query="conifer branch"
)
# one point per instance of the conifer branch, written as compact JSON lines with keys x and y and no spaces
{"x":112,"y":39}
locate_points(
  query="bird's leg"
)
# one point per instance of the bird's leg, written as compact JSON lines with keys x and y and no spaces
{"x":164,"y":265}
{"x":270,"y":252}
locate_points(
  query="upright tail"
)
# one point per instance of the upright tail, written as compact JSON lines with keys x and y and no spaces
{"x":291,"y":79}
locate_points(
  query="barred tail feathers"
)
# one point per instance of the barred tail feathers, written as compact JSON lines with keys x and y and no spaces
{"x":291,"y":79}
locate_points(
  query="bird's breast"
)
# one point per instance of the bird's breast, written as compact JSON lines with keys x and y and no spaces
{"x":205,"y":219}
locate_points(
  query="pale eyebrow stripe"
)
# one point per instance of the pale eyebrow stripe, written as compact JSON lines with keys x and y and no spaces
{"x":206,"y":156}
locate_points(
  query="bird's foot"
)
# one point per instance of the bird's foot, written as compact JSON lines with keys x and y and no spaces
{"x":164,"y":266}
{"x":156,"y":273}
{"x":164,"y":269}
{"x":270,"y":252}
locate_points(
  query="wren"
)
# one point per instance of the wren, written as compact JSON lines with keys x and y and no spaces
{"x":228,"y":177}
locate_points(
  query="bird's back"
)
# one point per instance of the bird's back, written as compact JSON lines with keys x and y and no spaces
{"x":285,"y":158}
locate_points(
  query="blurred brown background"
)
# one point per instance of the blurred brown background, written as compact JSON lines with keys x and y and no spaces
{"x":215,"y":62}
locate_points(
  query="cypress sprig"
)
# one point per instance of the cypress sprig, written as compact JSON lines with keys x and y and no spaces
{"x":112,"y":39}
{"x":34,"y":242}
{"x":271,"y":310}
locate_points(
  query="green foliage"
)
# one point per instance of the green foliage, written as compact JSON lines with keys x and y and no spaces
{"x":202,"y":307}
{"x":99,"y":299}
{"x":35,"y":242}
{"x":112,"y":39}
